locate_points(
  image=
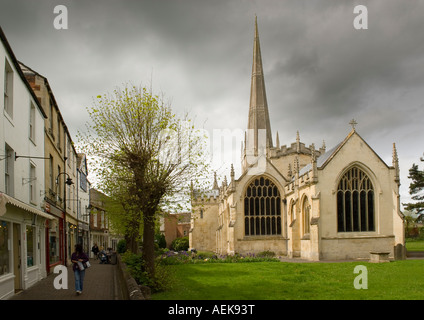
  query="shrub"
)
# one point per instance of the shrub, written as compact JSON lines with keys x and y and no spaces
{"x":180,"y":244}
{"x":162,"y":280}
{"x":266,"y":254}
{"x":184,"y":257}
{"x":121,"y":247}
{"x":160,"y":240}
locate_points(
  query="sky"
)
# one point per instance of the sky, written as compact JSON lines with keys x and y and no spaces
{"x":320,"y":71}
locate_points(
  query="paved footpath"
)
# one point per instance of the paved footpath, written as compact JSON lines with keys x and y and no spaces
{"x":100,"y":283}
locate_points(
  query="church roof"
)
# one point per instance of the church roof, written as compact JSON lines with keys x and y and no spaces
{"x":324,"y":159}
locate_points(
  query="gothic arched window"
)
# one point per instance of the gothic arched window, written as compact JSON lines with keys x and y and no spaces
{"x":262,"y":208}
{"x":355,"y":202}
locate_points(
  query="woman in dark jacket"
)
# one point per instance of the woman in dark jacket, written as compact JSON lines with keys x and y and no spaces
{"x":78,"y":257}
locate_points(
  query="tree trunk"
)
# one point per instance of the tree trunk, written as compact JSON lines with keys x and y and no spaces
{"x":132,"y":237}
{"x":132,"y":243}
{"x":149,"y":242}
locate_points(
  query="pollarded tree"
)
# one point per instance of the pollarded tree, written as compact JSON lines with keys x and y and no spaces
{"x":143,"y":150}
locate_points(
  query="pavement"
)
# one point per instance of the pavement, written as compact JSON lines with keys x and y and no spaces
{"x":100,"y":283}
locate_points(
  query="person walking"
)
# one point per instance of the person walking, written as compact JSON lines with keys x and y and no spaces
{"x":79,"y":258}
{"x":95,"y":250}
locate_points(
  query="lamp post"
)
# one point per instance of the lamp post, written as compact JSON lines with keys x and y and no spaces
{"x":68,"y":182}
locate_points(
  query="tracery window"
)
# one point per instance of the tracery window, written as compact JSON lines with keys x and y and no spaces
{"x":355,"y":202}
{"x":262,"y":208}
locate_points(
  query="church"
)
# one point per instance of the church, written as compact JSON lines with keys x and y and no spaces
{"x":300,"y":201}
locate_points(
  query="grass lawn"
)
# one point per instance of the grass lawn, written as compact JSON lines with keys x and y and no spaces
{"x":414,"y":245}
{"x":292,"y":281}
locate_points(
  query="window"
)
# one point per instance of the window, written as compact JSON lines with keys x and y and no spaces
{"x":54,"y":241}
{"x":51,"y":172}
{"x":262,"y":208}
{"x":355,"y":202}
{"x":32,"y":122}
{"x":68,"y":151}
{"x":8,"y":89}
{"x":4,"y":248}
{"x":306,"y":216}
{"x":51,"y":118}
{"x":68,"y":190}
{"x":94,"y":215}
{"x":9,"y":168}
{"x":83,"y":181}
{"x":58,"y":134}
{"x":201,"y":213}
{"x":32,"y":179}
{"x":59,"y":184}
{"x":102,"y":219}
{"x":31,"y":247}
{"x":73,"y":198}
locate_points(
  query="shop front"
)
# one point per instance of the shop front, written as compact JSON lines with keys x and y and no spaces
{"x":72,"y":235}
{"x":83,"y":236}
{"x":22,"y":245}
{"x":55,"y":236}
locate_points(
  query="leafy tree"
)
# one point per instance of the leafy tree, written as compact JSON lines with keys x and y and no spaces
{"x":143,"y":155}
{"x":416,"y":190}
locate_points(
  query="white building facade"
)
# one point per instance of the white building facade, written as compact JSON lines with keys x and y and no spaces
{"x":22,"y":221}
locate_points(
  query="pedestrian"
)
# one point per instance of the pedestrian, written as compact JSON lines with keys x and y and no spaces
{"x":79,"y":258}
{"x":95,"y":250}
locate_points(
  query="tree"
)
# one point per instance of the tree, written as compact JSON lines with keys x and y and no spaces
{"x":416,"y":190}
{"x":144,"y":155}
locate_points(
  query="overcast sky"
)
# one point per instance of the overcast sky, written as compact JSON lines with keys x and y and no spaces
{"x":320,"y":72}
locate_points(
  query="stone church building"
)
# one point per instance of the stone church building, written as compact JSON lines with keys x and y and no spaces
{"x":298,"y":200}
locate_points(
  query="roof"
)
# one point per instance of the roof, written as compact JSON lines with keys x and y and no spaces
{"x":19,"y":71}
{"x":324,"y":159}
{"x":27,"y":70}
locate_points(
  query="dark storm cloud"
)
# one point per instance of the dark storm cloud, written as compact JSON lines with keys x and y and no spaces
{"x":319,"y":71}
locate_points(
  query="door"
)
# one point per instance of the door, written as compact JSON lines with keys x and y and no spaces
{"x":17,"y":256}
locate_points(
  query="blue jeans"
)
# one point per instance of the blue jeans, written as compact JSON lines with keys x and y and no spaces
{"x":79,"y":279}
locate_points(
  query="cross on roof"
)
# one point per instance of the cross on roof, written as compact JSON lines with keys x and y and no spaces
{"x":353,"y":123}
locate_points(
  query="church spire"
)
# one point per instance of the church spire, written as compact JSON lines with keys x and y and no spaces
{"x":259,"y":126}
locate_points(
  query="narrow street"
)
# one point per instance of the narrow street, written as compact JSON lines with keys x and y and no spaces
{"x":100,"y":283}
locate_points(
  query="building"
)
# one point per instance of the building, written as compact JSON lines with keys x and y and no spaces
{"x":300,"y":201}
{"x":71,"y":196}
{"x":174,"y":226}
{"x":83,"y":202}
{"x":22,"y":220}
{"x":99,"y":222}
{"x":56,"y":178}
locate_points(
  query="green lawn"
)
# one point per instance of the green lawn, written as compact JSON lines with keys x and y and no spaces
{"x":414,"y":245}
{"x":292,"y":281}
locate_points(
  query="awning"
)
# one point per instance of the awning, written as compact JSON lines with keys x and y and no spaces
{"x":5,"y":199}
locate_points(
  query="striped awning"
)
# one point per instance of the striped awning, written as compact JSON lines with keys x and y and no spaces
{"x":5,"y":199}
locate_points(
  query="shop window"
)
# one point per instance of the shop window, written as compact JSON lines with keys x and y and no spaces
{"x":4,"y":249}
{"x":31,"y":246}
{"x":54,"y":251}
